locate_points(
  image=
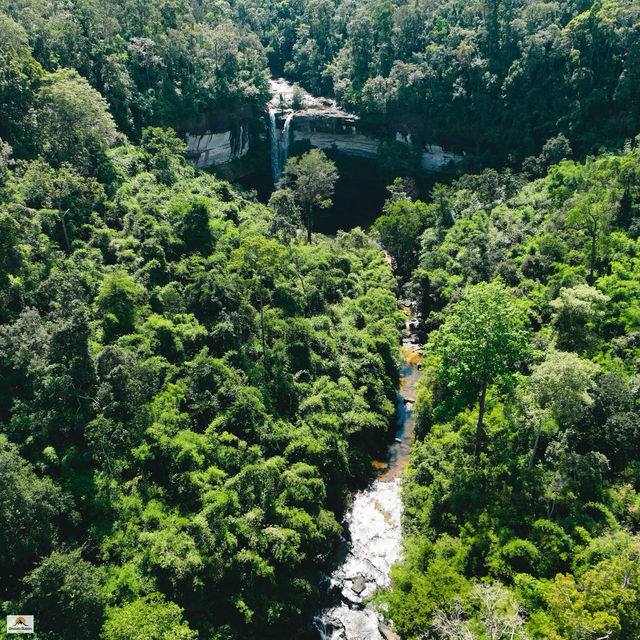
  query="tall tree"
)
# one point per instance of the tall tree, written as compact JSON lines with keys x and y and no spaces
{"x":259,"y":260}
{"x":560,"y":388}
{"x":399,"y":228}
{"x":74,"y":119}
{"x":313,"y":177}
{"x":31,"y":510}
{"x":118,"y":301}
{"x":481,"y":340}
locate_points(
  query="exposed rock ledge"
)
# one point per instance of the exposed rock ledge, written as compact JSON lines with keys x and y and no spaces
{"x":217,"y":148}
{"x":324,"y":125}
{"x":433,"y":157}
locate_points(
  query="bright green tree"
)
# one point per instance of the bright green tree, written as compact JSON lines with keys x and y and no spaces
{"x":118,"y":301}
{"x":560,"y":389}
{"x":399,"y":228}
{"x":577,"y":312}
{"x":259,"y":260}
{"x":572,"y":614}
{"x":148,"y":618}
{"x":481,"y":340}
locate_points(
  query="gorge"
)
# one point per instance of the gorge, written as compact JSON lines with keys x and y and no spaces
{"x":252,"y":150}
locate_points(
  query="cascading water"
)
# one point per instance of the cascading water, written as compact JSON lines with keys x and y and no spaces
{"x":373,"y":526}
{"x":286,"y":139}
{"x":275,"y":147}
{"x":373,"y":534}
{"x":279,"y":144}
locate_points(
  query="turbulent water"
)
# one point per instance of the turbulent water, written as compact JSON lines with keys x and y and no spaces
{"x":274,"y":147}
{"x":373,"y":525}
{"x":372,"y":541}
{"x":279,"y":144}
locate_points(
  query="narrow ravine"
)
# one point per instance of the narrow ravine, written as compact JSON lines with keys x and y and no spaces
{"x":372,"y":539}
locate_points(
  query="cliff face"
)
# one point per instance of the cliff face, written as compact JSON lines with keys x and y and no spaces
{"x":219,"y":137}
{"x":218,"y":148}
{"x":332,"y":128}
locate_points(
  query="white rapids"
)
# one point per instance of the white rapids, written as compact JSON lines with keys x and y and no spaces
{"x":374,"y":528}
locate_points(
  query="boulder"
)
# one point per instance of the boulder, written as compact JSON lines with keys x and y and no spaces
{"x":387,"y":632}
{"x":359,"y":585}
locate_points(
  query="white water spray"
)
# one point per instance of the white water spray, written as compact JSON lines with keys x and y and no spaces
{"x":275,"y":147}
{"x":279,"y":144}
{"x":286,"y":139}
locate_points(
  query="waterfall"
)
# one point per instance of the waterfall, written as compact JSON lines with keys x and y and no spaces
{"x":275,"y":147}
{"x":286,"y":138}
{"x":279,"y":144}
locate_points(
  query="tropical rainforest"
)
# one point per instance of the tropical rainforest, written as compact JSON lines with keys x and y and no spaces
{"x":193,"y":382}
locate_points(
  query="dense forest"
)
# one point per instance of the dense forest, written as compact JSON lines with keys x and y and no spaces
{"x":192,"y":383}
{"x":500,"y":77}
{"x":522,"y":495}
{"x":186,"y":395}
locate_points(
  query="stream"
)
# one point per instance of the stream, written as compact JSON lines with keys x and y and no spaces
{"x":372,"y":537}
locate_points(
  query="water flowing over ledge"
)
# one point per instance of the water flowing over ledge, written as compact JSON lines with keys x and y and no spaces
{"x":279,"y":143}
{"x":320,"y":122}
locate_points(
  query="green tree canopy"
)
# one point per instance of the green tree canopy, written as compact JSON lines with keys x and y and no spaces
{"x":148,"y":618}
{"x":118,"y":301}
{"x":399,"y":227}
{"x":312,"y":177}
{"x":64,"y":592}
{"x":74,"y":122}
{"x":32,"y":509}
{"x":481,"y":340}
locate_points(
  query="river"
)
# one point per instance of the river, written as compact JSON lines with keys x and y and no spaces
{"x":372,"y":538}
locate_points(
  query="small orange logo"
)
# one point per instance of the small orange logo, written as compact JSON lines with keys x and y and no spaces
{"x":19,"y":624}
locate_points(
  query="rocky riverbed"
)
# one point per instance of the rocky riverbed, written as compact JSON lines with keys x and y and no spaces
{"x":372,"y":539}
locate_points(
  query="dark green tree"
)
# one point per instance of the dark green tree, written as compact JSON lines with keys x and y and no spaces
{"x":312,"y":177}
{"x":399,"y":227}
{"x":64,"y":593}
{"x":32,"y":510}
{"x":195,"y":229}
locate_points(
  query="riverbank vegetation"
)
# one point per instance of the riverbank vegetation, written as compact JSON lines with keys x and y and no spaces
{"x":523,"y":490}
